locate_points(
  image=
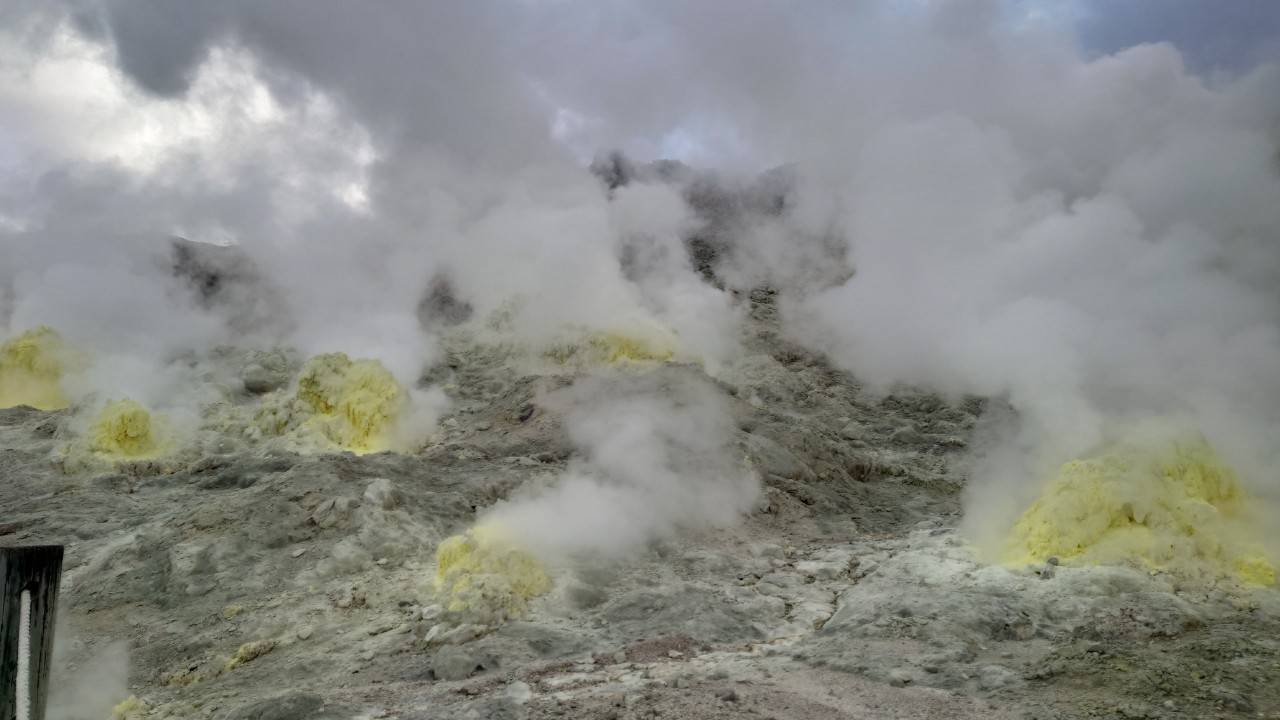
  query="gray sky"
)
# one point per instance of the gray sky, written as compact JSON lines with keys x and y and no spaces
{"x":1213,"y":35}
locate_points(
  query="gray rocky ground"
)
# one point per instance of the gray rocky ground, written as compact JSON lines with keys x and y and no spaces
{"x":251,"y":583}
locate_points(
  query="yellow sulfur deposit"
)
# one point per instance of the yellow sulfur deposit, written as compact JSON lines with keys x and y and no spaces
{"x":122,"y":433}
{"x":355,"y":404}
{"x":616,"y":348}
{"x":129,"y":709}
{"x":31,"y":368}
{"x":1178,"y":509}
{"x":249,"y":652}
{"x":657,"y":345}
{"x":481,"y":572}
{"x":123,"y":429}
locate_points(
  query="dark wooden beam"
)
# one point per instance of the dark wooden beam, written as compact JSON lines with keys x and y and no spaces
{"x":36,"y":570}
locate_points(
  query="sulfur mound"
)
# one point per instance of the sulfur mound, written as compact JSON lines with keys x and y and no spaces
{"x":482,"y":574}
{"x":123,"y":429}
{"x":351,"y":404}
{"x":355,"y":403}
{"x":1178,"y":509}
{"x":31,"y":368}
{"x":122,"y":433}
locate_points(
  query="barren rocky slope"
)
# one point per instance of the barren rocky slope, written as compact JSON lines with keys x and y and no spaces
{"x":261,"y":585}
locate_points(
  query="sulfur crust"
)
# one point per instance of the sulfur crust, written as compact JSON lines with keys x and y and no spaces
{"x":351,"y":404}
{"x":355,"y":403}
{"x":482,"y":572}
{"x":616,"y":347}
{"x":1178,"y":509}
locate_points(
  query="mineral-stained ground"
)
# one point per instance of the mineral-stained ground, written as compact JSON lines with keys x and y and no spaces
{"x":245,"y":582}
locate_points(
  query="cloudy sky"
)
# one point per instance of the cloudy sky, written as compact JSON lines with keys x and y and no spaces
{"x":129,"y":80}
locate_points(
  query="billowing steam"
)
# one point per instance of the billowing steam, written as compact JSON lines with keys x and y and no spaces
{"x":1101,"y":269}
{"x":656,"y":457}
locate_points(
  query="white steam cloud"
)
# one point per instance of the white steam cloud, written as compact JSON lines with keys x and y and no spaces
{"x":1098,"y":272}
{"x":657,"y":456}
{"x":87,"y":687}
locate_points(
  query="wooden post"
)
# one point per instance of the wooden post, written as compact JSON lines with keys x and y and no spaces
{"x":35,"y":570}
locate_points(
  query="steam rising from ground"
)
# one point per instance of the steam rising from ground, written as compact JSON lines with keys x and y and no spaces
{"x":1093,"y":292}
{"x":91,"y":687}
{"x":656,"y":457}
